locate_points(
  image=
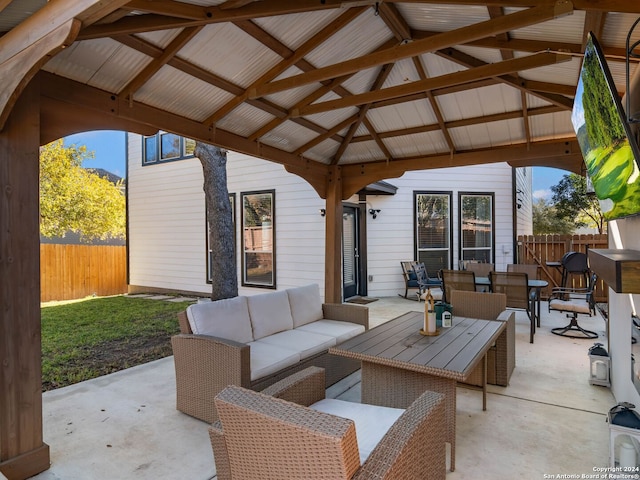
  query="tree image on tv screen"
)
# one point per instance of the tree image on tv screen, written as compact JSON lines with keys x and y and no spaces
{"x":604,"y":142}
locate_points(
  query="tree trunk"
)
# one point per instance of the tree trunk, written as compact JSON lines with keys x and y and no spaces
{"x":220,"y":219}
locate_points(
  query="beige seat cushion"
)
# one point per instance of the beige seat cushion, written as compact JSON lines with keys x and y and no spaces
{"x":228,"y":318}
{"x":268,"y":359}
{"x":270,"y":313}
{"x":305,"y":343}
{"x":372,"y":422}
{"x":306,"y":306}
{"x":341,"y":331}
{"x":570,"y":306}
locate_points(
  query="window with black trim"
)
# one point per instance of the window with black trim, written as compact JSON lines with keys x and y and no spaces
{"x":477,"y":226}
{"x":433,"y":229}
{"x":165,"y":147}
{"x":258,"y":239}
{"x":232,"y":200}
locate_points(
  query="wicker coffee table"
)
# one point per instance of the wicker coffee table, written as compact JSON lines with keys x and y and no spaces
{"x":399,"y":364}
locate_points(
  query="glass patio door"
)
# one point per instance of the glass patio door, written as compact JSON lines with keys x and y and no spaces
{"x":350,"y":254}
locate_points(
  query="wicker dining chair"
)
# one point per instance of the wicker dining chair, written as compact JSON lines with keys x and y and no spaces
{"x":279,"y":434}
{"x":501,"y":357}
{"x":516,"y":286}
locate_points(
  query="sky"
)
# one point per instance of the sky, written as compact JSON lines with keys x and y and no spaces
{"x":543,"y":179}
{"x":108,"y":146}
{"x":110,"y":153}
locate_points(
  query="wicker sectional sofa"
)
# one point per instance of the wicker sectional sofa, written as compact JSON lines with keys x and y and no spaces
{"x":254,"y":341}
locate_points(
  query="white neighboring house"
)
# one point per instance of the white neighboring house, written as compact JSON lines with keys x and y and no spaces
{"x":416,"y":216}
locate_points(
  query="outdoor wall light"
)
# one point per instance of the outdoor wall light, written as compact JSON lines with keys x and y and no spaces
{"x":374,"y":212}
{"x":323,"y":212}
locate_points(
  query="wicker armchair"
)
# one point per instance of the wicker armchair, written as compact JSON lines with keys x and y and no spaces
{"x":267,"y":436}
{"x":501,"y":358}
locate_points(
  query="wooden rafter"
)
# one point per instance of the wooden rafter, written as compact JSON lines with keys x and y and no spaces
{"x":485,"y":71}
{"x":465,"y":122}
{"x":593,"y":22}
{"x":624,"y":6}
{"x":454,"y":37}
{"x":164,"y":17}
{"x":290,"y":57}
{"x":471,"y":62}
{"x":434,"y":105}
{"x":377,"y":85}
{"x":170,"y":52}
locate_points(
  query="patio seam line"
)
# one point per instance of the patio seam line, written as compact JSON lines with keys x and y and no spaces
{"x":546,"y":403}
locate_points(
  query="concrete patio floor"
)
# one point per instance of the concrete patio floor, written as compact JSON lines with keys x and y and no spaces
{"x":548,"y":421}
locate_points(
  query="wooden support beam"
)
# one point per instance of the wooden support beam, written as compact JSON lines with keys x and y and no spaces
{"x":75,"y":94}
{"x":333,"y":236}
{"x":560,"y":153}
{"x":22,"y":450}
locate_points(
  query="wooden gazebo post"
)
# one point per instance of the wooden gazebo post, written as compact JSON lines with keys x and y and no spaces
{"x":22,"y":450}
{"x":333,"y":237}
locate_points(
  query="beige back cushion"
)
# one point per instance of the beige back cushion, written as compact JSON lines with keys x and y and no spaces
{"x":306,"y":306}
{"x":270,"y":313}
{"x":228,"y":318}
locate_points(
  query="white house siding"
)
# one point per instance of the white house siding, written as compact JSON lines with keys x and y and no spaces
{"x":390,"y":237}
{"x":524,"y":214}
{"x":167,"y":221}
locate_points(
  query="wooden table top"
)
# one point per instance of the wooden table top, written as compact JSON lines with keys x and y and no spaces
{"x":453,"y":353}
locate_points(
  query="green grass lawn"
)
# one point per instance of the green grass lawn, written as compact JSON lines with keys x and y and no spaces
{"x":96,"y":336}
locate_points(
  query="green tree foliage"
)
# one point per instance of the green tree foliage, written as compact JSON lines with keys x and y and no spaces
{"x":573,"y":204}
{"x":73,"y":199}
{"x":546,"y":220}
{"x":601,"y":118}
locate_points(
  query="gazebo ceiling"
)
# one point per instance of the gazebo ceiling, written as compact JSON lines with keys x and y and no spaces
{"x":376,"y":88}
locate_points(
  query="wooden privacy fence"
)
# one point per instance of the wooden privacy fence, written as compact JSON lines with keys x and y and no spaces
{"x":68,"y":272}
{"x":540,"y":249}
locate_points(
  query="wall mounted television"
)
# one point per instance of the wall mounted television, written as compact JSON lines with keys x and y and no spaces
{"x":610,"y":152}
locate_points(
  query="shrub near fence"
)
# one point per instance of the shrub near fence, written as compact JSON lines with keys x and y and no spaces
{"x":540,"y":249}
{"x":69,"y":272}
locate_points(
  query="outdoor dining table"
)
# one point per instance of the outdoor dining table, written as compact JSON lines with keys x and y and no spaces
{"x":399,"y":363}
{"x":532,"y":283}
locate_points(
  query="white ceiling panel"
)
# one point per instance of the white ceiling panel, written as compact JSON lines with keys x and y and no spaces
{"x":426,"y":143}
{"x":553,"y":125}
{"x":294,"y":30}
{"x":362,"y":36}
{"x":182,"y":94}
{"x":392,"y":117}
{"x":237,"y":57}
{"x":441,"y":18}
{"x":244,"y":120}
{"x":362,"y":152}
{"x":567,"y":28}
